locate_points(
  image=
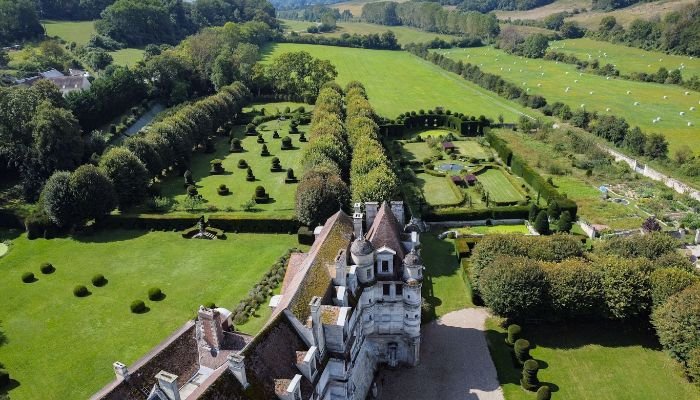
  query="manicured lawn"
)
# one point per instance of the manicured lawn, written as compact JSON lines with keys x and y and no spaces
{"x":416,"y":151}
{"x":627,"y":59}
{"x":436,"y":189}
{"x":398,"y":81}
{"x":498,"y":186}
{"x":282,"y":195}
{"x":493,"y":230}
{"x":606,"y":94}
{"x":471,"y":149}
{"x":56,"y":340}
{"x":127,"y":57}
{"x":436,"y":133}
{"x":70,"y":31}
{"x":443,"y":286}
{"x":595,"y":361}
{"x":404,"y":34}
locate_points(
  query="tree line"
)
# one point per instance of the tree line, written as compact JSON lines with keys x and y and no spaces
{"x":384,"y":41}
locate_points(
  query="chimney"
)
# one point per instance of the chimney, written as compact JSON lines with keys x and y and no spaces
{"x":211,"y":327}
{"x":371,"y":208}
{"x":340,"y":266}
{"x":120,"y":370}
{"x":168,"y":384}
{"x":237,"y":366}
{"x":316,"y":326}
{"x":357,"y":224}
{"x":294,"y":388}
{"x":397,"y":209}
{"x":357,"y":207}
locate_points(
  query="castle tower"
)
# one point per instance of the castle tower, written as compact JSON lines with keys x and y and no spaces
{"x":362,"y":253}
{"x":212,"y":329}
{"x":413,"y":283}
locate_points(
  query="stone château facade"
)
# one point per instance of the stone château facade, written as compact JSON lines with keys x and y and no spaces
{"x":349,"y":306}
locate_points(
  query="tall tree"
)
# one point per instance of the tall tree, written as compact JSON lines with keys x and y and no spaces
{"x":57,"y":138}
{"x":18,"y":21}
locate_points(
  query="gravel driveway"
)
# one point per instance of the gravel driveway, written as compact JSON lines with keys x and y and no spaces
{"x":455,"y":363}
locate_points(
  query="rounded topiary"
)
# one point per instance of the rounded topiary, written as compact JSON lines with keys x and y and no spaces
{"x":242,"y":164}
{"x":47,"y":268}
{"x":250,"y":128}
{"x":544,"y":393}
{"x":192,"y":191}
{"x":290,"y":174}
{"x":286,"y":143}
{"x":28,"y":277}
{"x":264,"y":152}
{"x":236,"y":145}
{"x":513,"y":333}
{"x":99,"y":280}
{"x":260,"y":192}
{"x":276,"y":165}
{"x":138,"y":307}
{"x":80,"y":291}
{"x":522,"y":350}
{"x":529,"y":380}
{"x":222,"y":190}
{"x":216,"y":167}
{"x":155,"y":294}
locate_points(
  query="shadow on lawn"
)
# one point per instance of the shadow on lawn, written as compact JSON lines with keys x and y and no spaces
{"x":108,"y":236}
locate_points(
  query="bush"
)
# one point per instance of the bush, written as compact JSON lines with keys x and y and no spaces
{"x":286,"y":143}
{"x":28,"y":277}
{"x":522,"y":350}
{"x":99,"y":280}
{"x":47,"y":268}
{"x":249,"y":175}
{"x":513,"y":334}
{"x":276,"y":165}
{"x":155,"y":294}
{"x":666,"y":282}
{"x":302,"y":137}
{"x":260,"y":138}
{"x":260,"y":195}
{"x":513,"y":287}
{"x":242,"y":164}
{"x":222,"y":190}
{"x":138,"y":307}
{"x":80,"y":291}
{"x":264,"y":152}
{"x":192,"y":191}
{"x":542,"y":223}
{"x":677,"y":323}
{"x":529,"y":380}
{"x":4,"y":378}
{"x":544,"y":393}
{"x":236,"y":146}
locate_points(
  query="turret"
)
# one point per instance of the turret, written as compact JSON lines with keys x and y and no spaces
{"x":362,"y":253}
{"x":413,"y":284}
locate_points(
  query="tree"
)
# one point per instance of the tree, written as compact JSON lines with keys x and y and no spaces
{"x":574,"y":288}
{"x":59,"y":199}
{"x":93,"y":192}
{"x":542,"y":223}
{"x":299,"y":73}
{"x":513,"y":287}
{"x":127,"y":173}
{"x":535,"y":45}
{"x":57,"y":138}
{"x":553,"y":210}
{"x":564,"y":224}
{"x":532,"y":214}
{"x":320,"y":194}
{"x":137,"y":22}
{"x":509,"y":39}
{"x":636,"y":141}
{"x":677,"y":323}
{"x":626,"y":288}
{"x":666,"y":282}
{"x":571,"y":30}
{"x":657,"y":146}
{"x":18,"y":21}
{"x":554,"y":21}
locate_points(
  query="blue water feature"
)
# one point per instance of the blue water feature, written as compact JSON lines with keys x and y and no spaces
{"x":450,"y":167}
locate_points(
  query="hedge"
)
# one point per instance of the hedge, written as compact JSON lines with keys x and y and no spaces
{"x":10,"y":220}
{"x":464,"y":246}
{"x":412,"y":120}
{"x":228,"y":223}
{"x":464,"y":214}
{"x":305,"y":236}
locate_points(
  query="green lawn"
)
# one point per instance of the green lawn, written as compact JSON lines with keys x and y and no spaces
{"x":471,"y":149}
{"x":493,"y":230}
{"x":398,"y":81}
{"x":498,"y":186}
{"x":596,"y":361}
{"x":627,"y":59}
{"x":68,"y":344}
{"x":444,"y":287}
{"x":403,"y":34}
{"x":282,"y":195}
{"x":436,"y":190}
{"x":416,"y":151}
{"x":127,"y":57}
{"x":610,"y":94}
{"x":70,"y":31}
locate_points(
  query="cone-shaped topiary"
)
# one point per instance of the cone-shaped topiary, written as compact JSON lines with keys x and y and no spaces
{"x":264,"y":152}
{"x":513,"y":334}
{"x":522,"y":350}
{"x":290,"y":176}
{"x":260,"y":138}
{"x":249,"y":176}
{"x":302,"y":137}
{"x":529,"y":380}
{"x":275,"y":135}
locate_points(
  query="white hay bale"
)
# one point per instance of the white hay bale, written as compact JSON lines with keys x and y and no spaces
{"x":580,"y":74}
{"x":567,"y":72}
{"x":591,"y":92}
{"x":542,"y":74}
{"x":524,"y":83}
{"x":660,"y":59}
{"x":521,"y":70}
{"x":575,"y":80}
{"x":583,"y":105}
{"x":540,"y":85}
{"x":653,"y":121}
{"x":682,"y":113}
{"x":629,"y":91}
{"x":687,"y":93}
{"x":607,"y":109}
{"x":607,"y":78}
{"x":692,"y":108}
{"x":690,"y":123}
{"x":636,"y":103}
{"x":527,"y":90}
{"x":648,"y":65}
{"x":665,"y":97}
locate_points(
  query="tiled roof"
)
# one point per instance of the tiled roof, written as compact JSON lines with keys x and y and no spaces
{"x":385,"y":231}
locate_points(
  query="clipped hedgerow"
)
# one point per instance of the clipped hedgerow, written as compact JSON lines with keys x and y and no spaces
{"x":522,"y":350}
{"x":513,"y":334}
{"x":529,"y":380}
{"x":544,"y":393}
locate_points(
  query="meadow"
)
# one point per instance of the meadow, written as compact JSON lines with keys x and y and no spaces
{"x":436,"y":189}
{"x":627,"y":59}
{"x":403,"y":34}
{"x":498,"y":186}
{"x":127,"y":57}
{"x":59,"y":341}
{"x":354,"y":6}
{"x":398,"y":81}
{"x":71,"y":31}
{"x":596,"y":93}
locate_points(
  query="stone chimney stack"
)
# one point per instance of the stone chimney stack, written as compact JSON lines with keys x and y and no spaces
{"x":357,"y":207}
{"x":120,"y":370}
{"x":212,"y":329}
{"x":357,"y":221}
{"x":371,"y":209}
{"x":397,"y":209}
{"x":168,"y":384}
{"x":237,"y":366}
{"x":317,"y":326}
{"x":340,"y":266}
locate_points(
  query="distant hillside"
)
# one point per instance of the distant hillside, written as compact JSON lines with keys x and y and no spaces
{"x":298,"y":4}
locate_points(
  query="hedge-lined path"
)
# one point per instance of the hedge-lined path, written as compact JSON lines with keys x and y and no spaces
{"x":455,"y":363}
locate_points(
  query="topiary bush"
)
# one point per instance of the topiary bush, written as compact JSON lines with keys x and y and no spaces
{"x":544,"y":393}
{"x":264,"y":152}
{"x":222,"y":190}
{"x":522,"y":350}
{"x":250,"y":129}
{"x":47,"y":268}
{"x":236,"y":146}
{"x":275,"y":135}
{"x":138,"y":307}
{"x":4,"y":378}
{"x":260,"y":195}
{"x":260,"y":139}
{"x":216,"y":167}
{"x":276,"y":167}
{"x":287,"y":143}
{"x":513,"y":333}
{"x":249,"y":175}
{"x":290,"y":176}
{"x":242,"y":164}
{"x":80,"y":291}
{"x":302,"y":137}
{"x":529,"y":380}
{"x":192,"y":191}
{"x":28,"y":277}
{"x":155,"y":294}
{"x":99,"y":280}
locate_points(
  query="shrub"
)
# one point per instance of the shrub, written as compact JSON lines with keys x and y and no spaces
{"x":138,"y":307}
{"x":542,"y":223}
{"x":80,"y":291}
{"x":666,"y":282}
{"x":677,"y":323}
{"x":4,"y":378}
{"x":529,"y":380}
{"x":242,"y":164}
{"x":260,"y":138}
{"x":192,"y":191}
{"x":264,"y":152}
{"x":249,"y":175}
{"x":216,"y":167}
{"x":275,"y":135}
{"x":290,"y":176}
{"x":544,"y":393}
{"x":260,"y":195}
{"x":222,"y":190}
{"x":99,"y":280}
{"x":522,"y":350}
{"x":236,"y":146}
{"x":302,"y":137}
{"x":28,"y":277}
{"x":513,"y":287}
{"x":47,"y":268}
{"x":692,"y":368}
{"x":651,"y":246}
{"x":250,"y":128}
{"x":513,"y":333}
{"x":286,"y":143}
{"x":276,"y":165}
{"x":155,"y":294}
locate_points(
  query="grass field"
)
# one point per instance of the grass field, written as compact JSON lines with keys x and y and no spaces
{"x":498,"y":186}
{"x":282,"y":195}
{"x":416,"y":151}
{"x":472,"y":149}
{"x":68,"y":344}
{"x":70,"y":31}
{"x":355,"y":6}
{"x":606,"y":94}
{"x":596,"y":361}
{"x":436,"y":189}
{"x":127,"y":57}
{"x":403,"y":34}
{"x":397,"y":82}
{"x":493,"y":230}
{"x":625,"y":16}
{"x":541,"y":12}
{"x":627,"y":59}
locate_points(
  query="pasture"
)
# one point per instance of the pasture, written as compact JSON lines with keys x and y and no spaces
{"x":625,"y":16}
{"x":499,"y":187}
{"x":403,"y":34}
{"x":397,"y":82}
{"x":354,"y":6}
{"x":50,"y":332}
{"x":127,"y":57}
{"x":627,"y":59}
{"x":643,"y":103}
{"x":71,"y":31}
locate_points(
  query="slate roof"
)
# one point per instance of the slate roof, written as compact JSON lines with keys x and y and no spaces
{"x":385,"y":231}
